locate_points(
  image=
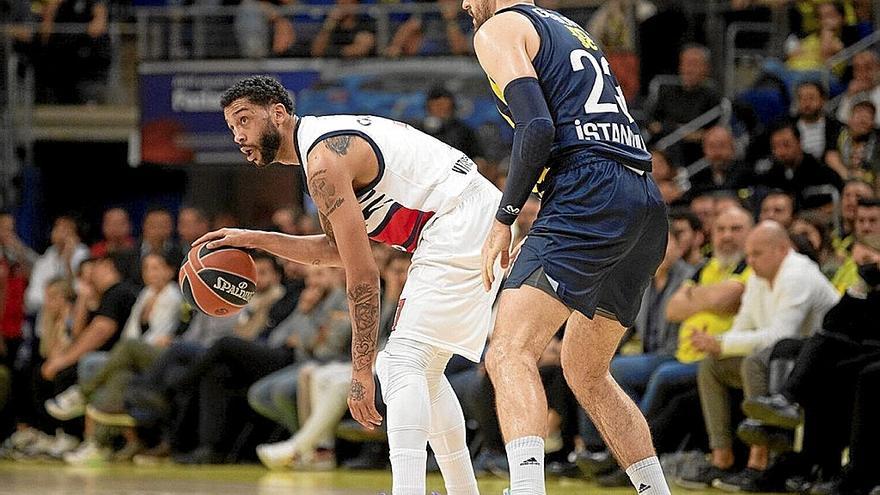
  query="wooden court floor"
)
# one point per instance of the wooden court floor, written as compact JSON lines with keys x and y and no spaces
{"x":44,"y":478}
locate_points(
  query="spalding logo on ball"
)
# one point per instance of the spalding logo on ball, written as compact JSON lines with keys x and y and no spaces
{"x":218,"y":282}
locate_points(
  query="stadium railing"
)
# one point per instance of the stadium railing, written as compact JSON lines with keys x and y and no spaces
{"x":175,"y":33}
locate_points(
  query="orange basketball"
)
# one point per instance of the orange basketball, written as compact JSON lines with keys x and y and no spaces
{"x":218,"y":282}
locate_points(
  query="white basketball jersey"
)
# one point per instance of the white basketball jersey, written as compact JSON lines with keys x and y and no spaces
{"x":419,"y":176}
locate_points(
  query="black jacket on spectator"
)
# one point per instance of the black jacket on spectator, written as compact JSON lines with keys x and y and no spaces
{"x":737,"y":176}
{"x":809,"y":173}
{"x":855,"y":318}
{"x":341,"y":36}
{"x":823,"y":380}
{"x":116,"y":304}
{"x":455,"y":133}
{"x":676,"y":105}
{"x":832,"y":131}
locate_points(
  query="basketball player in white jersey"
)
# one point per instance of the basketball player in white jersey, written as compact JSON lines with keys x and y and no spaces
{"x":381,"y":180}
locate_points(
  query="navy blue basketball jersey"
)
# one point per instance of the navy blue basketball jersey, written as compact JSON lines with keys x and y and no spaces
{"x":585,"y":99}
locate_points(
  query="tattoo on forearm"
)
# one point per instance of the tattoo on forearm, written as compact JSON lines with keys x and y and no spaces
{"x":364,"y":302}
{"x":358,"y":392}
{"x":338,"y":144}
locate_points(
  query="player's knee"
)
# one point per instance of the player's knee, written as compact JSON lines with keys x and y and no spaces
{"x":583,"y":372}
{"x":397,"y":374}
{"x":499,"y":356}
{"x":492,"y":360}
{"x":504,"y":353}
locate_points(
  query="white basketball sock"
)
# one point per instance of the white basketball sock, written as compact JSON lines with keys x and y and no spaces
{"x":408,"y":471}
{"x":405,"y":389}
{"x":526,"y":458}
{"x":647,"y":477}
{"x":458,"y":473}
{"x":447,"y":438}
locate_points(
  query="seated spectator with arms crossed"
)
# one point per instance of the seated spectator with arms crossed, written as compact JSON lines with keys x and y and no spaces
{"x":787,"y":296}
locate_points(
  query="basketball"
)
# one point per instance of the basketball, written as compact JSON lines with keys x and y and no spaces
{"x":218,"y":282}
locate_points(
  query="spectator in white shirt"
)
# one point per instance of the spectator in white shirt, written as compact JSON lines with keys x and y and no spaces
{"x":156,"y":312}
{"x":864,"y":85}
{"x":60,"y":260}
{"x":786,"y":297}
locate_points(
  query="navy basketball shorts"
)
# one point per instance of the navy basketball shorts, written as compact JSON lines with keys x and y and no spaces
{"x":598,"y":239}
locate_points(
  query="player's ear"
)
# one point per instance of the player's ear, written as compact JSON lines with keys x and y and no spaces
{"x":278,"y":112}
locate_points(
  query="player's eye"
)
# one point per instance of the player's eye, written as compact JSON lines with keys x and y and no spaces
{"x":243,"y":121}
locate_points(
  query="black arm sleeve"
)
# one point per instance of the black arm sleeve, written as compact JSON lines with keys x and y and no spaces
{"x":532,"y":139}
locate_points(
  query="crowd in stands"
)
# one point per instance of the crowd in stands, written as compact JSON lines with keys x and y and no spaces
{"x":756,"y":345}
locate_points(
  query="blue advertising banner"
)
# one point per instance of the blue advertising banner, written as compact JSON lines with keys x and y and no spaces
{"x":182,"y":122}
{"x":181,"y":118}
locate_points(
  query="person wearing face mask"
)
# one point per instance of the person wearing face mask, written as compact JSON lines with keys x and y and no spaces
{"x":822,"y":384}
{"x":856,"y":154}
{"x":442,"y":122}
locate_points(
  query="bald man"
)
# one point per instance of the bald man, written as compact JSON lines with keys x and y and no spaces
{"x":718,"y":169}
{"x":786,"y":297}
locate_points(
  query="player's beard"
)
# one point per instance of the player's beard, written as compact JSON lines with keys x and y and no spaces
{"x":270,"y":142}
{"x":481,"y":12}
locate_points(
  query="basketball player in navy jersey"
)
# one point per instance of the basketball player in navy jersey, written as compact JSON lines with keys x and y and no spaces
{"x":597,"y":241}
{"x":377,"y":179}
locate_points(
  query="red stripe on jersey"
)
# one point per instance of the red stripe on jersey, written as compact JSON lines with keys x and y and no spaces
{"x":400,"y":304}
{"x":402,"y":228}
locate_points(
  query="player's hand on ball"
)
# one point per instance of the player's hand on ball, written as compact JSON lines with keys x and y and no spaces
{"x":362,"y":401}
{"x":240,"y":238}
{"x":497,"y":242}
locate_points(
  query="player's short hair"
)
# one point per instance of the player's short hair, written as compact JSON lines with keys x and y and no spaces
{"x":262,"y":90}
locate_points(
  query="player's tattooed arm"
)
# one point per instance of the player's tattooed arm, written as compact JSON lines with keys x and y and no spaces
{"x":326,"y":198}
{"x":338,"y":144}
{"x":331,"y":185}
{"x":363,"y":300}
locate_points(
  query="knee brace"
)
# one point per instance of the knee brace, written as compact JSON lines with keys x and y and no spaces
{"x":447,"y":433}
{"x":405,"y":392}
